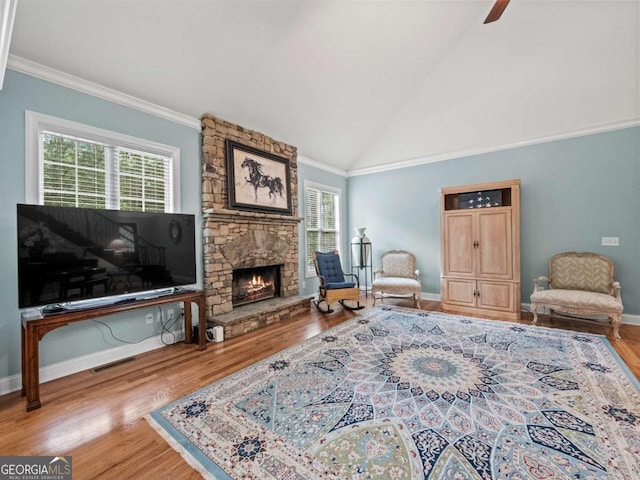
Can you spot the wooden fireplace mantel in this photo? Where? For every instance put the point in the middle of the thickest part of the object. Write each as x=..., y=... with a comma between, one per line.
x=34, y=329
x=225, y=215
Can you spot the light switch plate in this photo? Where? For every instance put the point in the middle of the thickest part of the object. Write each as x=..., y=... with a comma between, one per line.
x=610, y=241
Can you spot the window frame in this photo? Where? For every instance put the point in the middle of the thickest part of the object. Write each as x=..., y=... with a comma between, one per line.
x=310, y=271
x=36, y=122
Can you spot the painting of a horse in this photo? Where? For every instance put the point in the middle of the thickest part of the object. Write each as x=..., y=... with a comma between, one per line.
x=258, y=179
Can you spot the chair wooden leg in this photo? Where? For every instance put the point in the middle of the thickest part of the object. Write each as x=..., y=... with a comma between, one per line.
x=534, y=308
x=417, y=298
x=616, y=320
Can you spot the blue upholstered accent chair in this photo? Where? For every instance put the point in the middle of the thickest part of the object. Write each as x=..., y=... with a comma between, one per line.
x=333, y=285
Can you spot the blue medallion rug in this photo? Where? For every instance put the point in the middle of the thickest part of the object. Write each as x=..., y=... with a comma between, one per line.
x=402, y=394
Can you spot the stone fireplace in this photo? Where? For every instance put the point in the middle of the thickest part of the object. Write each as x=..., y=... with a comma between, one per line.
x=237, y=240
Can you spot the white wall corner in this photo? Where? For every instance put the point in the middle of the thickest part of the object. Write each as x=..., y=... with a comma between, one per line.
x=7, y=17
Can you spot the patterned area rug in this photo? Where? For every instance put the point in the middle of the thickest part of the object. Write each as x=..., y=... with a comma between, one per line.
x=402, y=394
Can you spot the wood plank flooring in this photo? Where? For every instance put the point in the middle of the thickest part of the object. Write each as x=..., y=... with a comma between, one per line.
x=98, y=418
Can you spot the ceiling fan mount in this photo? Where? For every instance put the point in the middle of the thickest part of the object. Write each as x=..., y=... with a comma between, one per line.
x=496, y=10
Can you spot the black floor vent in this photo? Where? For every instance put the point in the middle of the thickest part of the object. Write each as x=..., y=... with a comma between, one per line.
x=112, y=364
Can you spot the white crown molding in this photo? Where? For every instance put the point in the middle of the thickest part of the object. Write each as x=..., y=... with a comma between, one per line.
x=7, y=17
x=634, y=122
x=321, y=166
x=34, y=69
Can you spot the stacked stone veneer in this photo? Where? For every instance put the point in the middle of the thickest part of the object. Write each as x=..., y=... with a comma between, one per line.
x=240, y=239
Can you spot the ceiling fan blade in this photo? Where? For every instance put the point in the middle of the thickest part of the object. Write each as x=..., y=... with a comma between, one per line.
x=496, y=11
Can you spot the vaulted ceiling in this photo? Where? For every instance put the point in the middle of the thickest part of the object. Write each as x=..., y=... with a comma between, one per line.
x=357, y=85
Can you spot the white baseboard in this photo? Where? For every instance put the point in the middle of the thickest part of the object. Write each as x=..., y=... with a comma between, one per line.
x=67, y=367
x=434, y=297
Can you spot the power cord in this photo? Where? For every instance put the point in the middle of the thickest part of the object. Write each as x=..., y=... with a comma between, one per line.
x=164, y=329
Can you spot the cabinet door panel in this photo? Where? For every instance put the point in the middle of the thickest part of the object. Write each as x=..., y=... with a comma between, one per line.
x=459, y=291
x=494, y=253
x=496, y=296
x=458, y=238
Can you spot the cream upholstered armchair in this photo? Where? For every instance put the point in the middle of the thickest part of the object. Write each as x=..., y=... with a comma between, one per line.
x=582, y=284
x=397, y=276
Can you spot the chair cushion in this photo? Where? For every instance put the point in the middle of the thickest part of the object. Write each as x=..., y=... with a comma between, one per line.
x=396, y=285
x=338, y=285
x=330, y=268
x=577, y=299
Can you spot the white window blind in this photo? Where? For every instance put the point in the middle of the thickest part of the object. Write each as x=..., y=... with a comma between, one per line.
x=322, y=222
x=81, y=166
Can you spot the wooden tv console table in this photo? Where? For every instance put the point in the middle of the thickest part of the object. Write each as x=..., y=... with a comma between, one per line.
x=34, y=329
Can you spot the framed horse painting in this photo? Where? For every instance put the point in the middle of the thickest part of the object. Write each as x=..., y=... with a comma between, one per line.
x=258, y=181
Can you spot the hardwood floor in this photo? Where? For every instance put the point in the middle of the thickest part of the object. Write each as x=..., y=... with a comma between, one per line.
x=98, y=417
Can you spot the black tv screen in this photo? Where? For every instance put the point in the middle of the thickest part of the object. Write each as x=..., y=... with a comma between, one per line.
x=70, y=254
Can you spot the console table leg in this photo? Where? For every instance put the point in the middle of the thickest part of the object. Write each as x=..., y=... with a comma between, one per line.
x=202, y=325
x=32, y=381
x=23, y=341
x=188, y=325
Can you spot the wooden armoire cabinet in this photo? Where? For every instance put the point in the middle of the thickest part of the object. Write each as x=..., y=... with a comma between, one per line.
x=480, y=237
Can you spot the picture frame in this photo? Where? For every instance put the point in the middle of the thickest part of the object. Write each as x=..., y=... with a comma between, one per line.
x=257, y=181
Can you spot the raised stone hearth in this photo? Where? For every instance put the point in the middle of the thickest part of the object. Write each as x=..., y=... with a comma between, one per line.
x=260, y=314
x=236, y=239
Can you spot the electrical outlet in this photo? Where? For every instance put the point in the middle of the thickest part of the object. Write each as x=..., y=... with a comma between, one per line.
x=170, y=314
x=610, y=241
x=149, y=318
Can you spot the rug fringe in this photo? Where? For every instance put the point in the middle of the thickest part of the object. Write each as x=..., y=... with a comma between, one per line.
x=173, y=443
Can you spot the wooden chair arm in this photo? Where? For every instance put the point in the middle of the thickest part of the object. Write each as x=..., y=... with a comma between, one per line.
x=537, y=283
x=616, y=291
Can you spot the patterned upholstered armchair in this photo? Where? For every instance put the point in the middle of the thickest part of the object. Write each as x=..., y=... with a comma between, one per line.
x=397, y=276
x=582, y=284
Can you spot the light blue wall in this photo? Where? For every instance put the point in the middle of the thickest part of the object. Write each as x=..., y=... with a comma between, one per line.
x=22, y=92
x=573, y=193
x=309, y=285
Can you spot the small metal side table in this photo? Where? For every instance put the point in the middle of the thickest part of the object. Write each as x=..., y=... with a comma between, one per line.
x=361, y=262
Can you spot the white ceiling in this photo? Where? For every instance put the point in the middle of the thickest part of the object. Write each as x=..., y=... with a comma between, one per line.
x=357, y=85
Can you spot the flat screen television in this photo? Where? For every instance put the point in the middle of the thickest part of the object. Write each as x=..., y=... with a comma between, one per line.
x=72, y=256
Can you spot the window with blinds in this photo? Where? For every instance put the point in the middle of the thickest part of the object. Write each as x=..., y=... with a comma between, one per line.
x=81, y=166
x=322, y=221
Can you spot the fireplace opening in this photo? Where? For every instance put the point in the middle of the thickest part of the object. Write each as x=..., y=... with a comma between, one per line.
x=254, y=284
